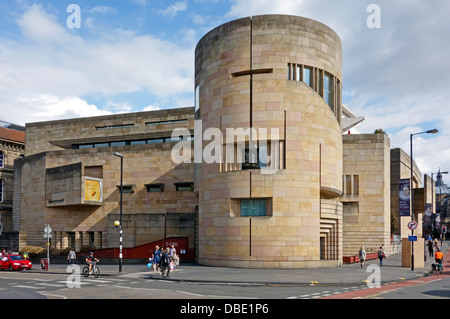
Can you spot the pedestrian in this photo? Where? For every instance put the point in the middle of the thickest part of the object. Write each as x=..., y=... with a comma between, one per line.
x=71, y=257
x=156, y=257
x=362, y=256
x=176, y=260
x=173, y=251
x=165, y=262
x=381, y=255
x=430, y=248
x=161, y=253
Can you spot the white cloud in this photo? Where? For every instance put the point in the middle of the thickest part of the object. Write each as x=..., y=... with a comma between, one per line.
x=55, y=62
x=173, y=9
x=103, y=10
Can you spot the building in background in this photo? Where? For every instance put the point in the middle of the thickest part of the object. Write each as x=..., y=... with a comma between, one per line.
x=12, y=146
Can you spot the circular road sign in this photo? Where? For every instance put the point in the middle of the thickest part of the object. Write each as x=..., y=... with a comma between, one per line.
x=47, y=230
x=412, y=225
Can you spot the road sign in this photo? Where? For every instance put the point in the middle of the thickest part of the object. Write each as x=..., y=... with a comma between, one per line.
x=412, y=238
x=47, y=230
x=412, y=225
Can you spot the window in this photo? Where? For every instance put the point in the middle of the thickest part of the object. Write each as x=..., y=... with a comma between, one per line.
x=307, y=75
x=166, y=122
x=188, y=186
x=197, y=98
x=155, y=187
x=2, y=159
x=1, y=191
x=350, y=184
x=113, y=126
x=251, y=157
x=155, y=141
x=253, y=207
x=327, y=89
x=126, y=189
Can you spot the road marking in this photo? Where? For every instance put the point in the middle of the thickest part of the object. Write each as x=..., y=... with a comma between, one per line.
x=23, y=286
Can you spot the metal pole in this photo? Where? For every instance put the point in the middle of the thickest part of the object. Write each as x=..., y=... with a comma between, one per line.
x=121, y=202
x=412, y=200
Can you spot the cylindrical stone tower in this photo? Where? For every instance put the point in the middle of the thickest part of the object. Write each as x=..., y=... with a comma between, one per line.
x=268, y=192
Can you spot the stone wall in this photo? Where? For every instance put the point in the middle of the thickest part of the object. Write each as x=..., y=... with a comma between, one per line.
x=366, y=194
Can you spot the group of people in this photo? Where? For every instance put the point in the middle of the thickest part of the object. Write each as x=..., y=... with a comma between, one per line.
x=433, y=247
x=164, y=261
x=381, y=254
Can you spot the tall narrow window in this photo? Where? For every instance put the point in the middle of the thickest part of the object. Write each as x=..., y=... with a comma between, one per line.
x=327, y=89
x=2, y=159
x=307, y=75
x=1, y=191
x=197, y=97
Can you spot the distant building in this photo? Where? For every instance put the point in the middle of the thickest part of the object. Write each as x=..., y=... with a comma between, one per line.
x=12, y=146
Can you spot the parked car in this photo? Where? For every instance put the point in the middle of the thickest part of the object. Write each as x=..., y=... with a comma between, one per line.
x=14, y=262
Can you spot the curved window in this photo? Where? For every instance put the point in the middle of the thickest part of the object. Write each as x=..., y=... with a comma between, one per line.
x=327, y=89
x=2, y=159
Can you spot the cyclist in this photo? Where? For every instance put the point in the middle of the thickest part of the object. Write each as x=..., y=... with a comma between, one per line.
x=439, y=256
x=89, y=259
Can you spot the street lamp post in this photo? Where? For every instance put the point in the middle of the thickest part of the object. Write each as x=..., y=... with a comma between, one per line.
x=121, y=204
x=433, y=131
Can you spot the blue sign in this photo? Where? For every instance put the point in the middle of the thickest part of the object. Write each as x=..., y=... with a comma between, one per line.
x=412, y=238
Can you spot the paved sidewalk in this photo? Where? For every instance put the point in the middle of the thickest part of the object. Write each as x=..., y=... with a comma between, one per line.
x=391, y=271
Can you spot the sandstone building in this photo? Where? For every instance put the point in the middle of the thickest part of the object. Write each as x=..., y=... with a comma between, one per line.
x=284, y=187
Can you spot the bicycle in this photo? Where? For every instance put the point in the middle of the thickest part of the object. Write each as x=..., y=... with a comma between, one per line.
x=95, y=270
x=438, y=268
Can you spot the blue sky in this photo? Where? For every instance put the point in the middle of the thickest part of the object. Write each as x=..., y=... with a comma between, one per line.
x=134, y=55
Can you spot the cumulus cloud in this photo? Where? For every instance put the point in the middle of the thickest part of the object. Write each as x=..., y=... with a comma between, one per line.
x=52, y=61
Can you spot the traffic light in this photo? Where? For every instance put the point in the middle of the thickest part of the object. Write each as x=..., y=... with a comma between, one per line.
x=444, y=229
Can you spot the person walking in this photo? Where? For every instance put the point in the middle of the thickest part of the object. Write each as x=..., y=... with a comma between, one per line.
x=430, y=248
x=381, y=255
x=165, y=262
x=71, y=257
x=362, y=256
x=156, y=257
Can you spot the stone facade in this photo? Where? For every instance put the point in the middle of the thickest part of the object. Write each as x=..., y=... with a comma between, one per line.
x=250, y=74
x=366, y=193
x=12, y=146
x=70, y=180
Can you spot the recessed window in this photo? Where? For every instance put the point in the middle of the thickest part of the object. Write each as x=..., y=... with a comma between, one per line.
x=1, y=191
x=126, y=189
x=155, y=187
x=254, y=207
x=155, y=141
x=2, y=159
x=350, y=184
x=113, y=126
x=307, y=75
x=180, y=187
x=166, y=122
x=327, y=89
x=197, y=98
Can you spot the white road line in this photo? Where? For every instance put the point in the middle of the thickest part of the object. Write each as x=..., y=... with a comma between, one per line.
x=27, y=287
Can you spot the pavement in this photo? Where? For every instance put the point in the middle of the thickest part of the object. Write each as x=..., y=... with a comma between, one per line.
x=390, y=272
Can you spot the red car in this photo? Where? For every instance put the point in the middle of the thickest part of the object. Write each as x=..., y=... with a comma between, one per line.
x=14, y=262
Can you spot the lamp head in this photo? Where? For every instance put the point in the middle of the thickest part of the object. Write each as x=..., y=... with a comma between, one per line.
x=118, y=154
x=117, y=223
x=433, y=131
